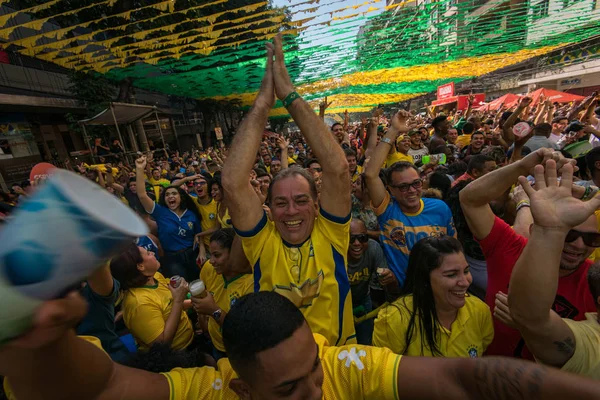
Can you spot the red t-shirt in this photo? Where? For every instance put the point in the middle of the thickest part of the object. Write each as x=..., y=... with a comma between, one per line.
x=502, y=247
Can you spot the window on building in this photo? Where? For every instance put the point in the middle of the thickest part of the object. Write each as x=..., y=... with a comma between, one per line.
x=540, y=10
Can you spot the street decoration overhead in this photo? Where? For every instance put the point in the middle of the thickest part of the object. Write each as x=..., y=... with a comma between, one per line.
x=359, y=54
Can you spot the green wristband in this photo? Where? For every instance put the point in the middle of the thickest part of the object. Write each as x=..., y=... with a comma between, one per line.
x=289, y=99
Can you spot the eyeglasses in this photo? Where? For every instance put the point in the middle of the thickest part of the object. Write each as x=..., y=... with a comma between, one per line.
x=201, y=183
x=404, y=187
x=317, y=169
x=363, y=238
x=591, y=239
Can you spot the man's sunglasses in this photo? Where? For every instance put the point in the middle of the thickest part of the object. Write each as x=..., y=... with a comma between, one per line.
x=404, y=187
x=591, y=239
x=363, y=238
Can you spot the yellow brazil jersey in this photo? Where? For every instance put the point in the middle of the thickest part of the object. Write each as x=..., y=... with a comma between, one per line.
x=92, y=339
x=471, y=333
x=209, y=217
x=225, y=294
x=313, y=275
x=463, y=140
x=157, y=184
x=396, y=157
x=586, y=358
x=145, y=312
x=359, y=170
x=349, y=372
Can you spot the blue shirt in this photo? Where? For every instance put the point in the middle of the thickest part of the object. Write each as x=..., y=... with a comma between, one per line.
x=100, y=321
x=174, y=232
x=147, y=244
x=400, y=231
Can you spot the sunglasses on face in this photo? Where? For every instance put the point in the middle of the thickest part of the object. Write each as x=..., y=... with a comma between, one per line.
x=590, y=239
x=201, y=183
x=404, y=187
x=363, y=238
x=317, y=169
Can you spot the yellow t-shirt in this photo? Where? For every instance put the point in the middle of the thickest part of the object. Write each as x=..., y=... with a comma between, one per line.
x=312, y=276
x=145, y=312
x=396, y=157
x=463, y=140
x=157, y=184
x=225, y=294
x=586, y=358
x=359, y=170
x=92, y=339
x=350, y=372
x=209, y=217
x=471, y=333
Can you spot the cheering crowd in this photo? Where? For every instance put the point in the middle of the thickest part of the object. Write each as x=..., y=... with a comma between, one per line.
x=387, y=259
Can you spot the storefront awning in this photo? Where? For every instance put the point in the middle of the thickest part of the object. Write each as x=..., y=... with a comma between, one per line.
x=123, y=114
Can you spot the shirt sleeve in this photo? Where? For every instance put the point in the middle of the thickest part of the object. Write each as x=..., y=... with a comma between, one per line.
x=390, y=329
x=158, y=211
x=501, y=238
x=450, y=222
x=204, y=383
x=586, y=358
x=336, y=230
x=361, y=372
x=378, y=256
x=383, y=206
x=253, y=241
x=487, y=326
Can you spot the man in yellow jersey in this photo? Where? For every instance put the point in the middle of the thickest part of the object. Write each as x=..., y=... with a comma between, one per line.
x=273, y=355
x=300, y=253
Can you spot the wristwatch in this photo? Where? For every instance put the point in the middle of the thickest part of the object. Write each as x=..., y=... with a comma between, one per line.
x=387, y=140
x=217, y=314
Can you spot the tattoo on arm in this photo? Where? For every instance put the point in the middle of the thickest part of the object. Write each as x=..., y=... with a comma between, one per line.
x=566, y=346
x=503, y=379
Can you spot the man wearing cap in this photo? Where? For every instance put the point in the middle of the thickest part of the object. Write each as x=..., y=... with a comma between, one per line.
x=417, y=150
x=440, y=130
x=574, y=132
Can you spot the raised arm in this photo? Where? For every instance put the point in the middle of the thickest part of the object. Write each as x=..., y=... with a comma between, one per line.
x=371, y=133
x=476, y=196
x=147, y=202
x=335, y=190
x=488, y=378
x=375, y=185
x=507, y=131
x=589, y=117
x=283, y=145
x=244, y=206
x=101, y=281
x=534, y=280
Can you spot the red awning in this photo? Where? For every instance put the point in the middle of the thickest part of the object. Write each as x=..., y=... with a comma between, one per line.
x=448, y=100
x=555, y=96
x=508, y=100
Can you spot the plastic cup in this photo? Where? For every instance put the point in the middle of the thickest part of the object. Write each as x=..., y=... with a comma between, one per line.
x=521, y=129
x=198, y=289
x=69, y=227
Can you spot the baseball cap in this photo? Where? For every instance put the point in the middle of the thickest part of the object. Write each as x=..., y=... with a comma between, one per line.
x=574, y=126
x=413, y=132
